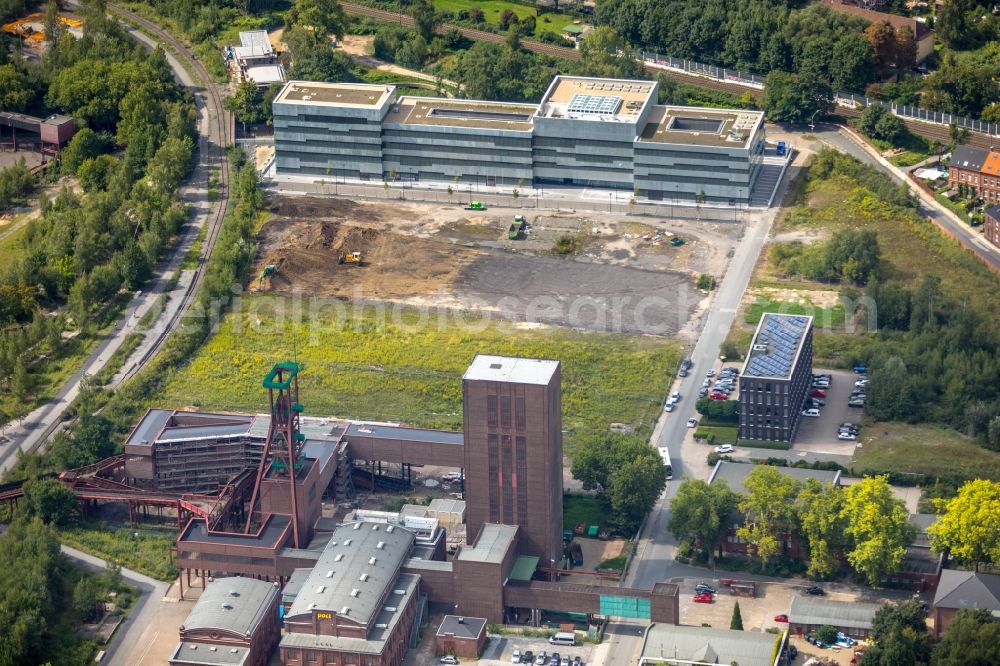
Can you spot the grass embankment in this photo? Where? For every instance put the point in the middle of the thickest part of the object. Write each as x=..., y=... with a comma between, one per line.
x=547, y=21
x=404, y=366
x=141, y=549
x=924, y=449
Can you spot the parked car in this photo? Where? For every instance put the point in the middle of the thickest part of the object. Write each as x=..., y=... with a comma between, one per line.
x=541, y=659
x=703, y=598
x=554, y=659
x=675, y=396
x=565, y=661
x=848, y=424
x=810, y=412
x=860, y=369
x=815, y=402
x=861, y=383
x=528, y=657
x=781, y=618
x=724, y=448
x=577, y=661
x=669, y=406
x=817, y=393
x=707, y=383
x=717, y=395
x=682, y=373
x=686, y=364
x=704, y=588
x=856, y=403
x=816, y=591
x=448, y=659
x=710, y=372
x=847, y=436
x=702, y=392
x=692, y=422
x=515, y=656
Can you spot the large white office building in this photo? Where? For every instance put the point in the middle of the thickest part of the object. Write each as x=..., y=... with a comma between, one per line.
x=586, y=132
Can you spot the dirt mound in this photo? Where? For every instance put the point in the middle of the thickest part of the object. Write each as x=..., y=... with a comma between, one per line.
x=306, y=254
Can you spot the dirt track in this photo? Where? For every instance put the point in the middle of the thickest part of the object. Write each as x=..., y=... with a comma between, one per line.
x=624, y=277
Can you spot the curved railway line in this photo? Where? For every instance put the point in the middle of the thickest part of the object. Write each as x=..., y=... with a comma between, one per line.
x=219, y=134
x=929, y=130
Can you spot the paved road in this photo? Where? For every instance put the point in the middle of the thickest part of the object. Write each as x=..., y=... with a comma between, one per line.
x=152, y=591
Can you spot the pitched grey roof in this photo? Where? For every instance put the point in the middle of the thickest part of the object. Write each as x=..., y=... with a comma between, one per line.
x=198, y=654
x=359, y=563
x=722, y=646
x=232, y=604
x=404, y=588
x=735, y=474
x=994, y=212
x=819, y=611
x=967, y=589
x=967, y=157
x=776, y=345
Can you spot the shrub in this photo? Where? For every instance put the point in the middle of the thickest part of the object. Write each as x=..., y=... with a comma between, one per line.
x=827, y=634
x=706, y=282
x=566, y=245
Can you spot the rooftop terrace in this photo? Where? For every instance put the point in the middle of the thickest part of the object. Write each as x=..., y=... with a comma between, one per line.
x=700, y=126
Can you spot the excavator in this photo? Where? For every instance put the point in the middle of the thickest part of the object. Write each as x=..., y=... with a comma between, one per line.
x=270, y=269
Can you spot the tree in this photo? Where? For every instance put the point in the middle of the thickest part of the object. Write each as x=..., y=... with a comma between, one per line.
x=819, y=509
x=323, y=17
x=49, y=500
x=15, y=90
x=699, y=513
x=736, y=623
x=321, y=63
x=889, y=397
x=906, y=49
x=851, y=65
x=20, y=383
x=969, y=525
x=900, y=634
x=880, y=123
x=957, y=136
x=605, y=53
x=425, y=18
x=883, y=40
x=624, y=470
x=909, y=614
x=85, y=144
x=768, y=509
x=635, y=486
x=246, y=104
x=972, y=638
x=795, y=97
x=878, y=526
x=86, y=594
x=827, y=634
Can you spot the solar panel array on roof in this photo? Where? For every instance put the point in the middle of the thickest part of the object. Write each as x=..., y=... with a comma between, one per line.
x=597, y=104
x=776, y=345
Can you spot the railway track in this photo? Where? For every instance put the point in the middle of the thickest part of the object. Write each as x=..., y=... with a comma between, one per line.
x=930, y=130
x=219, y=134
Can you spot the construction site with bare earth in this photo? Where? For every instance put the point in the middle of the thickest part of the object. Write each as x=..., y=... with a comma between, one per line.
x=562, y=269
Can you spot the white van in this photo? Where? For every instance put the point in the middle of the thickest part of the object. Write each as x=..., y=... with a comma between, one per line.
x=563, y=638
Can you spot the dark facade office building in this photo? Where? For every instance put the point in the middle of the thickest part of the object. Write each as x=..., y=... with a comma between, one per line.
x=776, y=376
x=513, y=450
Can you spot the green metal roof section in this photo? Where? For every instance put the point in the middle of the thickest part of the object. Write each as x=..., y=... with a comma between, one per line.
x=625, y=607
x=524, y=567
x=270, y=380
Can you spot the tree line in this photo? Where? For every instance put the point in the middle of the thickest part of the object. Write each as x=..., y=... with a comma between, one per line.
x=134, y=146
x=862, y=524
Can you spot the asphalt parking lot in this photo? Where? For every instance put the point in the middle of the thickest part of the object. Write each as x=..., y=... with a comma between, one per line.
x=757, y=612
x=504, y=646
x=819, y=434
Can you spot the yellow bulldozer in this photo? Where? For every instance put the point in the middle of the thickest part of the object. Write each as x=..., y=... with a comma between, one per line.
x=351, y=258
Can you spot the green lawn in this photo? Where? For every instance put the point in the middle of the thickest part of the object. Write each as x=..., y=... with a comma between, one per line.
x=147, y=553
x=550, y=21
x=584, y=509
x=723, y=434
x=923, y=449
x=827, y=317
x=12, y=246
x=401, y=368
